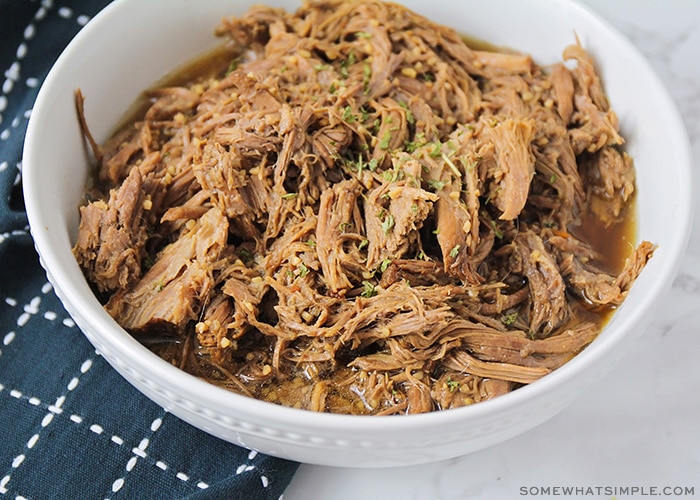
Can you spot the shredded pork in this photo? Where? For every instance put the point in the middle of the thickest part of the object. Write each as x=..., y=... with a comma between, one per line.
x=362, y=214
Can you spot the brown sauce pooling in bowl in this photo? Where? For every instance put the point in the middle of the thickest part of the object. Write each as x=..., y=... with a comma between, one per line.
x=363, y=214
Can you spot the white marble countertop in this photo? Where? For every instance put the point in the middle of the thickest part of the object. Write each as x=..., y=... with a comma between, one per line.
x=639, y=427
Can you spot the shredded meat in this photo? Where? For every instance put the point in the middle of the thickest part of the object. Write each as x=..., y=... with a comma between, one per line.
x=359, y=213
x=173, y=290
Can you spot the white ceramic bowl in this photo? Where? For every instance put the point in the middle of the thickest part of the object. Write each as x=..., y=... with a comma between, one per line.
x=133, y=43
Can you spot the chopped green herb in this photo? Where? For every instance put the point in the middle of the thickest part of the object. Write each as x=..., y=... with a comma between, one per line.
x=366, y=76
x=368, y=289
x=436, y=185
x=384, y=265
x=418, y=141
x=452, y=166
x=468, y=166
x=455, y=251
x=363, y=34
x=394, y=174
x=348, y=62
x=158, y=286
x=364, y=114
x=436, y=150
x=303, y=270
x=509, y=319
x=410, y=146
x=355, y=166
x=363, y=244
x=233, y=65
x=288, y=196
x=388, y=223
x=245, y=254
x=409, y=114
x=386, y=139
x=348, y=116
x=497, y=232
x=452, y=385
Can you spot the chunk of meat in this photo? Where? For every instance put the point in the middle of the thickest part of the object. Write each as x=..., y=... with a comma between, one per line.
x=457, y=208
x=112, y=236
x=610, y=180
x=601, y=289
x=549, y=307
x=338, y=213
x=395, y=211
x=596, y=125
x=563, y=84
x=172, y=292
x=515, y=165
x=462, y=361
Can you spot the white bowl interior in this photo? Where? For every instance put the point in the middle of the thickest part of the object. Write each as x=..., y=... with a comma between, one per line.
x=111, y=69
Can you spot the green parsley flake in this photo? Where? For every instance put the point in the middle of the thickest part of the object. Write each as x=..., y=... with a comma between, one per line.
x=348, y=116
x=452, y=385
x=388, y=223
x=245, y=254
x=409, y=114
x=509, y=319
x=368, y=289
x=497, y=232
x=233, y=66
x=436, y=185
x=384, y=265
x=366, y=77
x=386, y=139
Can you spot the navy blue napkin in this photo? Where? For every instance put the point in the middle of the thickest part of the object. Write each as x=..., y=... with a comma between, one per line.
x=71, y=426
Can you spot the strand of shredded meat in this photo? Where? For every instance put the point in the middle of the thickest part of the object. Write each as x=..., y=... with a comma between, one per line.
x=362, y=214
